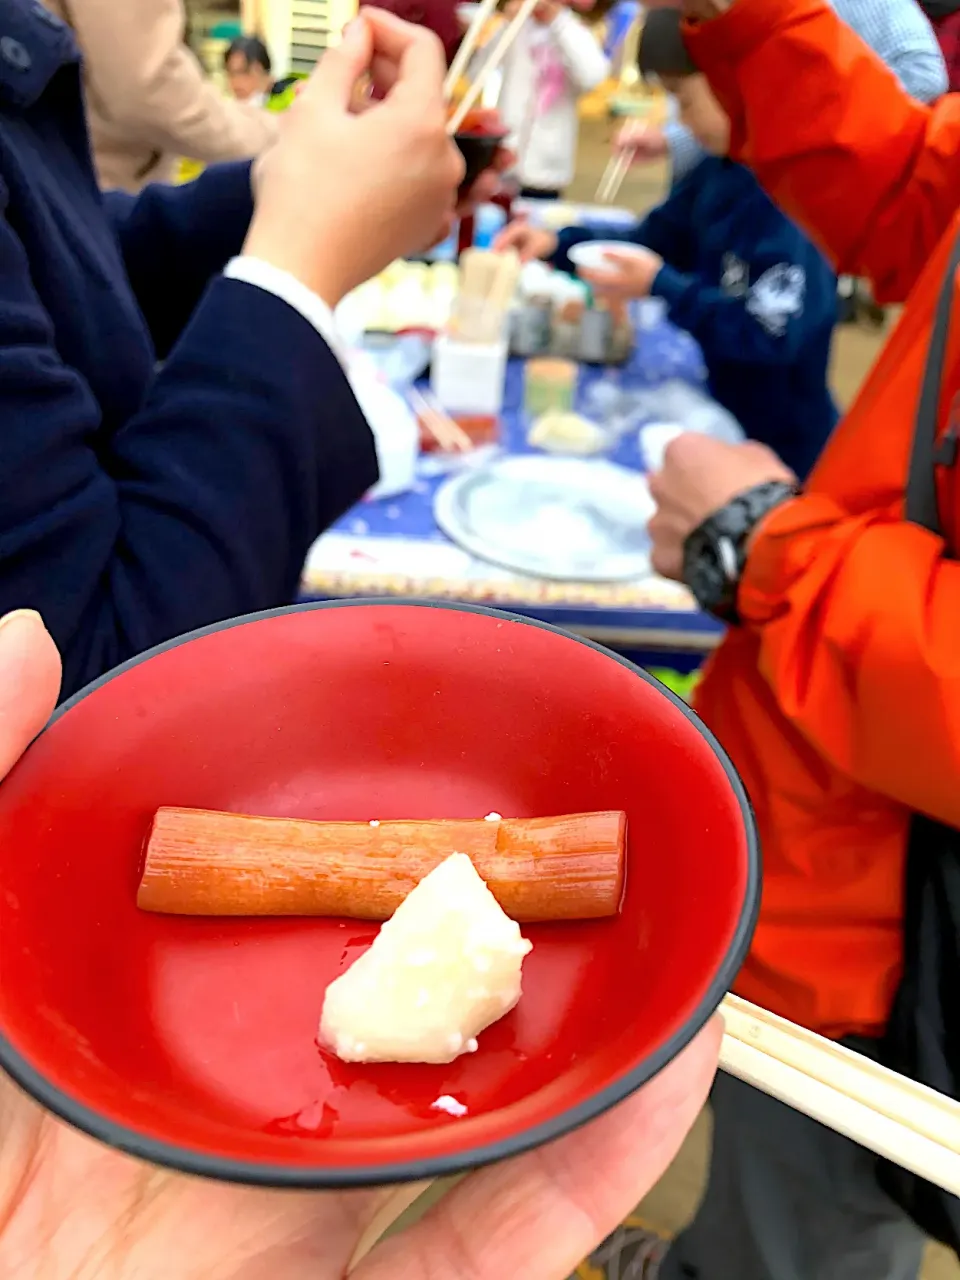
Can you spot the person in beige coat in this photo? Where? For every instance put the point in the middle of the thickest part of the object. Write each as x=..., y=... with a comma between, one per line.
x=148, y=102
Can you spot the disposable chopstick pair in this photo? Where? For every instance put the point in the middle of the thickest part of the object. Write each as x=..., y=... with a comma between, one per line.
x=613, y=175
x=449, y=435
x=490, y=65
x=906, y=1122
x=484, y=12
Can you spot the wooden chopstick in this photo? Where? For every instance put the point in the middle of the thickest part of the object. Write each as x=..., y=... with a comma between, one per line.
x=393, y=1207
x=906, y=1122
x=491, y=64
x=610, y=183
x=501, y=293
x=897, y=1118
x=458, y=66
x=449, y=435
x=455, y=433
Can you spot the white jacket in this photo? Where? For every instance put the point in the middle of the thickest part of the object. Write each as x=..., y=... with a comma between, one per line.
x=546, y=140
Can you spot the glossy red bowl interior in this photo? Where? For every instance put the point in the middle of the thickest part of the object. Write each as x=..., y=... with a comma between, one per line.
x=191, y=1042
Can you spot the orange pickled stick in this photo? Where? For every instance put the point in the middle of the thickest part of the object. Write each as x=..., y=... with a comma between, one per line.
x=203, y=863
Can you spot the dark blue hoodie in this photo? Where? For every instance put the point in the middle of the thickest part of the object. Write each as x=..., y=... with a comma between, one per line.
x=135, y=504
x=757, y=296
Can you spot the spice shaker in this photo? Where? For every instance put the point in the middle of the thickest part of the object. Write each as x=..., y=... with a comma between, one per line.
x=596, y=334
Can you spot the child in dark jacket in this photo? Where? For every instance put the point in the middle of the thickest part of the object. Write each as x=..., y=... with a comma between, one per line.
x=733, y=270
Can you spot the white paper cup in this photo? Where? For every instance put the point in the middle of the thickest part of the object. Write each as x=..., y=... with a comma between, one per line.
x=653, y=440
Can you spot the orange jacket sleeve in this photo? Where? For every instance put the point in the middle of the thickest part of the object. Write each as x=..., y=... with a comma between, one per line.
x=857, y=617
x=872, y=175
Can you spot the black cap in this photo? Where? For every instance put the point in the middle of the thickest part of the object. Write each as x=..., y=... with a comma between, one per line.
x=662, y=51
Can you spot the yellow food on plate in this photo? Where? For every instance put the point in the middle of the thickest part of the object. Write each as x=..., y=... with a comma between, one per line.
x=566, y=433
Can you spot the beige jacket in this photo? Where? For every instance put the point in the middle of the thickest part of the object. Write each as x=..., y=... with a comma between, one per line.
x=148, y=102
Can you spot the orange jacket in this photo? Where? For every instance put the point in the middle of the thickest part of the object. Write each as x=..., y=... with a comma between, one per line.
x=839, y=698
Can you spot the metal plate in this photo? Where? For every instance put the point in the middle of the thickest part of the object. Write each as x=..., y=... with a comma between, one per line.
x=560, y=518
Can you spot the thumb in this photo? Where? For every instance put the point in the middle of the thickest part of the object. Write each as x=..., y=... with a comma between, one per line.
x=620, y=259
x=29, y=682
x=341, y=67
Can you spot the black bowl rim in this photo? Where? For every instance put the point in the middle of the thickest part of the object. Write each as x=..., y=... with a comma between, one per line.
x=471, y=136
x=226, y=1169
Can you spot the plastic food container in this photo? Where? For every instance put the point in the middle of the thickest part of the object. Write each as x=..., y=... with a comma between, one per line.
x=549, y=384
x=468, y=377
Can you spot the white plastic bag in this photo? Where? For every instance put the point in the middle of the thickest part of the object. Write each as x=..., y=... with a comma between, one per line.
x=679, y=407
x=396, y=434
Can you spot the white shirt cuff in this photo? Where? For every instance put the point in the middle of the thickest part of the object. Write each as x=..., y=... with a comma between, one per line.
x=263, y=275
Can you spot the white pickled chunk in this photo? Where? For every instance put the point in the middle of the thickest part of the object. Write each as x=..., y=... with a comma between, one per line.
x=444, y=967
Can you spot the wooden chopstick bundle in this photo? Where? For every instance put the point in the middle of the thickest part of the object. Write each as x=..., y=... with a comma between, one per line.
x=488, y=282
x=906, y=1122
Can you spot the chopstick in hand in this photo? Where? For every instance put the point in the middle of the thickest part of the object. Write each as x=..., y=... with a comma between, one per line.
x=613, y=175
x=484, y=13
x=492, y=63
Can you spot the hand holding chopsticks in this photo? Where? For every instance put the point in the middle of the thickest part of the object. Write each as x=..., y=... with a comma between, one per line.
x=468, y=44
x=642, y=139
x=472, y=96
x=613, y=175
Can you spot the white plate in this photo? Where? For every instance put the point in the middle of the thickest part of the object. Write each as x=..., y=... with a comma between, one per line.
x=565, y=519
x=591, y=254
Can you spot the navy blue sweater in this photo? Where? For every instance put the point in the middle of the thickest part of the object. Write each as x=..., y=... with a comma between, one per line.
x=756, y=294
x=136, y=504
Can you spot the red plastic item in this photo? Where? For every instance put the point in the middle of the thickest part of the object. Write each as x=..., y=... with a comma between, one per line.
x=481, y=428
x=191, y=1041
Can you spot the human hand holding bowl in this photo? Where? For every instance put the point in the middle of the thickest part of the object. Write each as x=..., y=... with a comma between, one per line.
x=71, y=1209
x=630, y=275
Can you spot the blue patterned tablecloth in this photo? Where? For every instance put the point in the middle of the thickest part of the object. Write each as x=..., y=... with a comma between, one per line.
x=393, y=547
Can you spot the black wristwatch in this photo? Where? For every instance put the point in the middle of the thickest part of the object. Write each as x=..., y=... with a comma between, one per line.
x=715, y=553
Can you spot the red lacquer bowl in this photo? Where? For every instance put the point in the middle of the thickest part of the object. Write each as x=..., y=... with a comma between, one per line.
x=191, y=1042
x=479, y=151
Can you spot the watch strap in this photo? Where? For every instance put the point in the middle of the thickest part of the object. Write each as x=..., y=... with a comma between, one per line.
x=715, y=553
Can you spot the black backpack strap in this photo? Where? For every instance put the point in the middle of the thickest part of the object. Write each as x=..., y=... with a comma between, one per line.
x=921, y=497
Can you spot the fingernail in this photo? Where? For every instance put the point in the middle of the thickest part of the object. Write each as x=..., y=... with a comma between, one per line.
x=353, y=32
x=22, y=617
x=22, y=636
